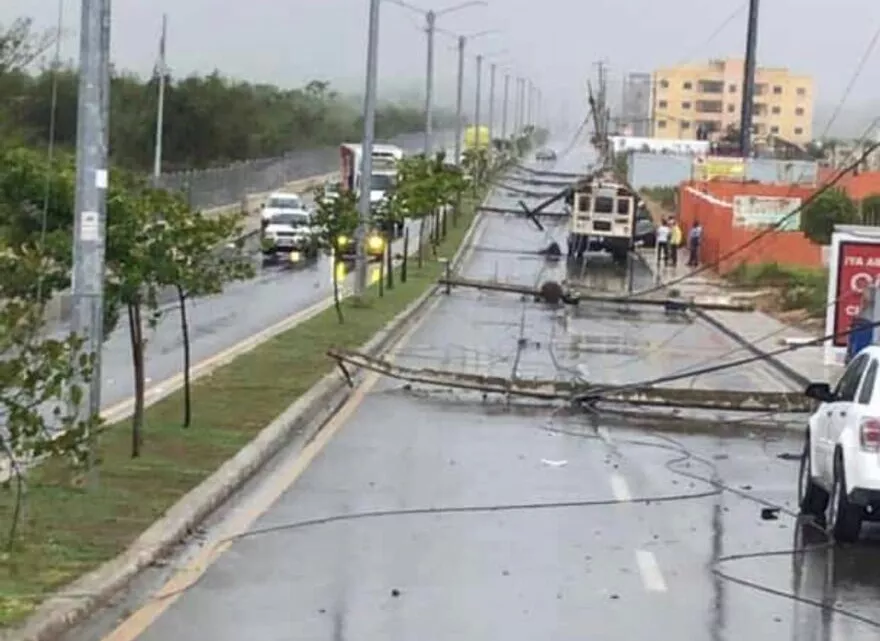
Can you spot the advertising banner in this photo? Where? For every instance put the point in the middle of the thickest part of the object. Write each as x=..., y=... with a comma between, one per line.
x=758, y=212
x=719, y=168
x=854, y=264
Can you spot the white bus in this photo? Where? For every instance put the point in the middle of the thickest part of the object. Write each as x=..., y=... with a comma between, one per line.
x=603, y=218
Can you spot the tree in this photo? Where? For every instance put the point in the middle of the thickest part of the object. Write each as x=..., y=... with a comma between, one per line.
x=40, y=377
x=832, y=207
x=204, y=256
x=417, y=193
x=870, y=210
x=335, y=218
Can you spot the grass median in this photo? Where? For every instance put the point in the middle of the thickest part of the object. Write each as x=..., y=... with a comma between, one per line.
x=68, y=531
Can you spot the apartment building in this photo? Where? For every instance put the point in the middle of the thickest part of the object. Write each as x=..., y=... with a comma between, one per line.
x=635, y=108
x=710, y=95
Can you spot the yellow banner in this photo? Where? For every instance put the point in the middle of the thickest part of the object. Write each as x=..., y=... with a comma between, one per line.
x=723, y=168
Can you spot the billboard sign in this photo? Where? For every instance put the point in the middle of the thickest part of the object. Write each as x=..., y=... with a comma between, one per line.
x=854, y=264
x=719, y=168
x=758, y=212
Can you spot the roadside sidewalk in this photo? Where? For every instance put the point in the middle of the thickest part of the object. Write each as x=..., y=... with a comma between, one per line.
x=761, y=330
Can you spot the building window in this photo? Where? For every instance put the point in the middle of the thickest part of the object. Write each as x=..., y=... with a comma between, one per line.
x=799, y=111
x=687, y=86
x=731, y=88
x=661, y=124
x=685, y=124
x=802, y=91
x=664, y=84
x=710, y=86
x=774, y=129
x=776, y=111
x=661, y=104
x=731, y=108
x=685, y=105
x=777, y=90
x=798, y=131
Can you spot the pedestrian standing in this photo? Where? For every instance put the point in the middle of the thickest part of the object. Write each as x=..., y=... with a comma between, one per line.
x=695, y=238
x=662, y=236
x=675, y=240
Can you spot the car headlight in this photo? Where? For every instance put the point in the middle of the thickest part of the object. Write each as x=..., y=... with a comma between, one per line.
x=294, y=257
x=342, y=241
x=375, y=243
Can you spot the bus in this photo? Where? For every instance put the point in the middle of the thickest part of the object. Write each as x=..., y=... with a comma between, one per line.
x=602, y=218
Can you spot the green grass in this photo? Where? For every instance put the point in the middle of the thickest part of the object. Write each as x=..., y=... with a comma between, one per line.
x=68, y=531
x=799, y=287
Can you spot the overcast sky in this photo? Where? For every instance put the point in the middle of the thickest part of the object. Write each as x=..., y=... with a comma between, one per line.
x=555, y=42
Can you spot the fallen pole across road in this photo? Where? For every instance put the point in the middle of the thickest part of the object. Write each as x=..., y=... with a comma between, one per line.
x=558, y=390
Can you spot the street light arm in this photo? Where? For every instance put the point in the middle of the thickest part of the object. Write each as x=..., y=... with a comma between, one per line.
x=406, y=5
x=462, y=5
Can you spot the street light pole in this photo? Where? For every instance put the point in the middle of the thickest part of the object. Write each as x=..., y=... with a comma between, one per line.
x=430, y=19
x=458, y=99
x=504, y=106
x=360, y=286
x=492, y=70
x=160, y=105
x=479, y=99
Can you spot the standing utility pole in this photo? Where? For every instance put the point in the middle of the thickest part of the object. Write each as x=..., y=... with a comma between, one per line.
x=504, y=107
x=160, y=105
x=492, y=69
x=91, y=185
x=430, y=20
x=458, y=99
x=479, y=99
x=522, y=104
x=745, y=129
x=360, y=286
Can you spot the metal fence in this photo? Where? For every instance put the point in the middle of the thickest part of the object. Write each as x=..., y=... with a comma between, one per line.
x=209, y=188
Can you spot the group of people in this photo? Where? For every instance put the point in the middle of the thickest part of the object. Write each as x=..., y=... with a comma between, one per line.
x=670, y=238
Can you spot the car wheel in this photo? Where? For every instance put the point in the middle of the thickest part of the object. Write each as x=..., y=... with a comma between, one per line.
x=812, y=499
x=844, y=518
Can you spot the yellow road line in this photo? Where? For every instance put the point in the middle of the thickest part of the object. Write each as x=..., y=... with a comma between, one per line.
x=243, y=517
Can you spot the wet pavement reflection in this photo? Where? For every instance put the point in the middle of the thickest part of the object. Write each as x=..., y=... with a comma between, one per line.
x=439, y=515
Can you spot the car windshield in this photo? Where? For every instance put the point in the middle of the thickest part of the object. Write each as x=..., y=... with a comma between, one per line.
x=383, y=182
x=292, y=220
x=284, y=202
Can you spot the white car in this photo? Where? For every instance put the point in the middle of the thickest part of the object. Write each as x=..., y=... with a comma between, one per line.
x=288, y=231
x=280, y=202
x=839, y=478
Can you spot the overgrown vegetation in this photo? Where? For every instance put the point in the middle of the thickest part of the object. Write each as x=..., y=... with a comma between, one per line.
x=666, y=197
x=209, y=120
x=794, y=287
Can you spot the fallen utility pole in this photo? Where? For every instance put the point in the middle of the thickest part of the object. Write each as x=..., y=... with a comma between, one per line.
x=519, y=212
x=556, y=390
x=576, y=296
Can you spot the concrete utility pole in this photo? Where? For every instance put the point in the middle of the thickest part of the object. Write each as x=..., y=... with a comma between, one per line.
x=430, y=28
x=458, y=99
x=91, y=184
x=360, y=277
x=522, y=104
x=479, y=99
x=504, y=106
x=160, y=104
x=493, y=68
x=748, y=94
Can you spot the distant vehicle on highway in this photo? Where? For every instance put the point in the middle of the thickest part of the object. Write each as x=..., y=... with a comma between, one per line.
x=332, y=190
x=280, y=202
x=839, y=479
x=545, y=155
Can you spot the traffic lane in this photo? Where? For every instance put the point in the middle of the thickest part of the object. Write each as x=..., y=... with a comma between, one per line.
x=602, y=343
x=786, y=564
x=496, y=564
x=217, y=323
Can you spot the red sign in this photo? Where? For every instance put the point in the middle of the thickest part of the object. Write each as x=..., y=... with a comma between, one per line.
x=858, y=266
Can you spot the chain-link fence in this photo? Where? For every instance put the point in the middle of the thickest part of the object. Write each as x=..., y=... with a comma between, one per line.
x=227, y=185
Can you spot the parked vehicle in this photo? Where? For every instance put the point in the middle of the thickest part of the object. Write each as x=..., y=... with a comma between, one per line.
x=839, y=479
x=602, y=218
x=545, y=155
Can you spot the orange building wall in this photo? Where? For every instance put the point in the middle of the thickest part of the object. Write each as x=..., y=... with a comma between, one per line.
x=721, y=238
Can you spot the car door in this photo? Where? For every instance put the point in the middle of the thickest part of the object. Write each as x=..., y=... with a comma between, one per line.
x=834, y=415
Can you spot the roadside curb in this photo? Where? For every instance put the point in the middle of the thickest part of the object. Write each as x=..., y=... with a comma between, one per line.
x=298, y=424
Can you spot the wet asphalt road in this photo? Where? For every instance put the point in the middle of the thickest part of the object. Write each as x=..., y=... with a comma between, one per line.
x=452, y=518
